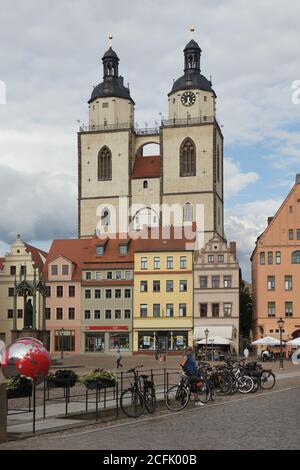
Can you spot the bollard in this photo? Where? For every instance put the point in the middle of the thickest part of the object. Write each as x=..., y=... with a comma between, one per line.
x=3, y=413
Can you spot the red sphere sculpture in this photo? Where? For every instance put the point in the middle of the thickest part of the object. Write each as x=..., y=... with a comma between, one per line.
x=27, y=357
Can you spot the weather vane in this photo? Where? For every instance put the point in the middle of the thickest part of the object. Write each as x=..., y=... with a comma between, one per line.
x=110, y=37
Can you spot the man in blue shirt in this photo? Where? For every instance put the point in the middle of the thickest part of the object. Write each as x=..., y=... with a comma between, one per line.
x=190, y=367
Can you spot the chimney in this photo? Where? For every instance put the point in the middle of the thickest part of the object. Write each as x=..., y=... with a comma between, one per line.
x=232, y=248
x=271, y=218
x=297, y=178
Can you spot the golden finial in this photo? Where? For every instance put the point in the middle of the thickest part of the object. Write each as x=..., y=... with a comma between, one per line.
x=110, y=37
x=192, y=30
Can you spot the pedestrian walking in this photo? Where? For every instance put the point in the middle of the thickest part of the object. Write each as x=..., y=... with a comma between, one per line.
x=119, y=359
x=246, y=352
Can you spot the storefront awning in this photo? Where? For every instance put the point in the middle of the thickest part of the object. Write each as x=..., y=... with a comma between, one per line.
x=224, y=331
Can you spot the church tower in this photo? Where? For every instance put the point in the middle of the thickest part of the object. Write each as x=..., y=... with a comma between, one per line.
x=192, y=147
x=188, y=171
x=104, y=149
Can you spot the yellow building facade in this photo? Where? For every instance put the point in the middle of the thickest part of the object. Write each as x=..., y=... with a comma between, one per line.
x=163, y=301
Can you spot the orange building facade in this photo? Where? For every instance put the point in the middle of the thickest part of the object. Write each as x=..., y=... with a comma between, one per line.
x=276, y=272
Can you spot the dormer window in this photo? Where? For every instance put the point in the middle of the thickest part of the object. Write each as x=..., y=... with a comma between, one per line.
x=65, y=269
x=99, y=250
x=54, y=270
x=123, y=250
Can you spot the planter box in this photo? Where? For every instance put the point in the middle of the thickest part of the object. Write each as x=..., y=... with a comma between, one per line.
x=103, y=384
x=19, y=393
x=60, y=383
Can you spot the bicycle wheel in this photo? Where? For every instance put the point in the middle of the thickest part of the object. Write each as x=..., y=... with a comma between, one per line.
x=177, y=398
x=255, y=384
x=226, y=385
x=245, y=384
x=132, y=403
x=213, y=393
x=267, y=380
x=204, y=392
x=150, y=399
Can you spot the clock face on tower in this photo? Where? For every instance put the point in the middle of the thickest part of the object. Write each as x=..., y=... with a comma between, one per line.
x=188, y=98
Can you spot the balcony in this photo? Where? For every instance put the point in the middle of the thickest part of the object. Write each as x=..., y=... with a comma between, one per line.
x=105, y=127
x=187, y=121
x=149, y=130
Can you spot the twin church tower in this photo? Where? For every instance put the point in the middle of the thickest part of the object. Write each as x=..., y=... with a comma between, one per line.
x=188, y=170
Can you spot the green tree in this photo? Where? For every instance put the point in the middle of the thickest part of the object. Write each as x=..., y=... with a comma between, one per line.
x=245, y=312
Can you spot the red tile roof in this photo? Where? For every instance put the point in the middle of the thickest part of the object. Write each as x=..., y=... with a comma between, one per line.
x=73, y=249
x=167, y=239
x=38, y=256
x=146, y=167
x=82, y=252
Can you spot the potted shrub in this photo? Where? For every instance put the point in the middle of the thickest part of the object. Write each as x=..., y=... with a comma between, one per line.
x=98, y=379
x=62, y=378
x=19, y=387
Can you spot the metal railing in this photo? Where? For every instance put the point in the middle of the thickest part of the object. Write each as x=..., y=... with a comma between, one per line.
x=187, y=121
x=149, y=130
x=93, y=401
x=106, y=127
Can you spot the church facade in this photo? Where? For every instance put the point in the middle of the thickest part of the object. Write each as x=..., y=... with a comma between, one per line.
x=188, y=172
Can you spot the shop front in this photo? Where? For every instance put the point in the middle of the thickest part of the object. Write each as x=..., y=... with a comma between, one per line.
x=165, y=341
x=107, y=339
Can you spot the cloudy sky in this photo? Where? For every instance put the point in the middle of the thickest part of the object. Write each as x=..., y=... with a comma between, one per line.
x=51, y=58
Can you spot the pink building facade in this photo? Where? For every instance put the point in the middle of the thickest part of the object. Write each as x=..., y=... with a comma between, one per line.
x=63, y=305
x=276, y=272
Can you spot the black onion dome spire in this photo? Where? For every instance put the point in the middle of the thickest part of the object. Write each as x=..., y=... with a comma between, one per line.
x=192, y=77
x=112, y=84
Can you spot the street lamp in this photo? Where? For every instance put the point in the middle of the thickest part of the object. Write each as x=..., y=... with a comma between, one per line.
x=206, y=335
x=62, y=331
x=280, y=324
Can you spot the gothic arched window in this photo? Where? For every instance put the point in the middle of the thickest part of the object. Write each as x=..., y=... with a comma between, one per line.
x=187, y=158
x=104, y=164
x=187, y=212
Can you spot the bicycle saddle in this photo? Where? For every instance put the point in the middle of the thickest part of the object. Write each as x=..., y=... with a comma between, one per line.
x=144, y=376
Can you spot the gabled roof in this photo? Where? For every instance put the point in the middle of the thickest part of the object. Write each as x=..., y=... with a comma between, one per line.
x=272, y=220
x=38, y=256
x=73, y=249
x=111, y=251
x=167, y=239
x=146, y=167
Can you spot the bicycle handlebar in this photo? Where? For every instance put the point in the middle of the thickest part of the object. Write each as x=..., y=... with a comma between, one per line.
x=135, y=368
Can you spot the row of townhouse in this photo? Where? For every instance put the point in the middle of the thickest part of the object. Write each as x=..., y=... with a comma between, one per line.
x=137, y=295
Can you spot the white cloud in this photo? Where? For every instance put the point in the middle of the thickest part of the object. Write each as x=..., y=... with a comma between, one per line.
x=52, y=59
x=234, y=179
x=39, y=206
x=244, y=223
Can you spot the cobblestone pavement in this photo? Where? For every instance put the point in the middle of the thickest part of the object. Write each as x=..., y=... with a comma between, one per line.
x=268, y=420
x=86, y=362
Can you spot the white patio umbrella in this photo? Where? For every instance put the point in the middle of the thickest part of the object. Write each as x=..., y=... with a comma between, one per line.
x=268, y=341
x=294, y=342
x=214, y=340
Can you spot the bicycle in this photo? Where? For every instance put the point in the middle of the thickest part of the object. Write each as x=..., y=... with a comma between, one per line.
x=139, y=396
x=178, y=396
x=263, y=378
